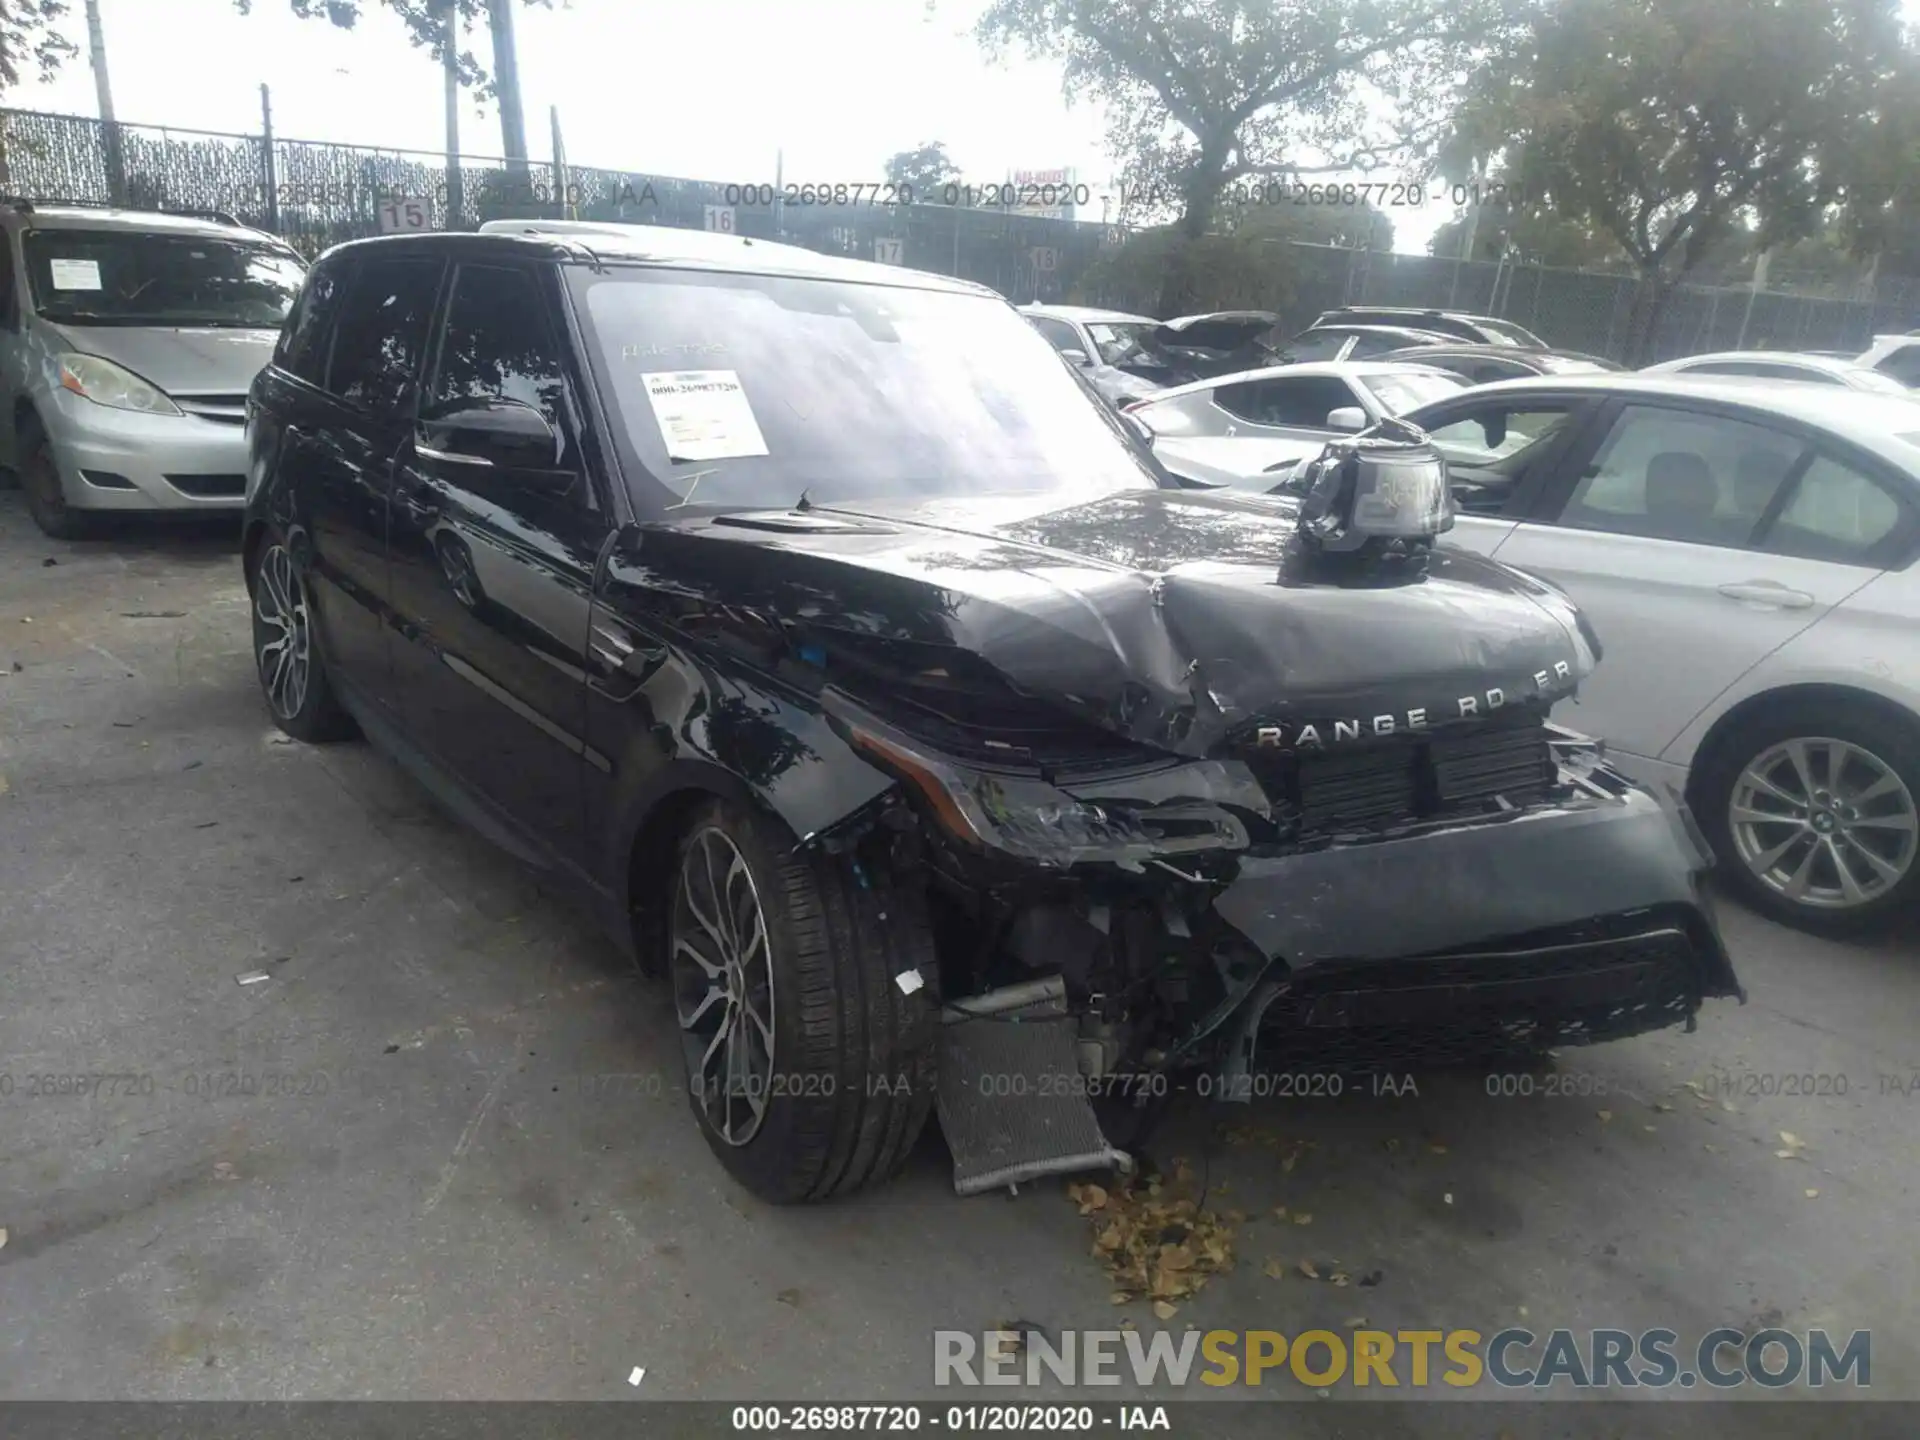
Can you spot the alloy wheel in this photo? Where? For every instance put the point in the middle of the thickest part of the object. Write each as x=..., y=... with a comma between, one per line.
x=722, y=972
x=284, y=646
x=1824, y=823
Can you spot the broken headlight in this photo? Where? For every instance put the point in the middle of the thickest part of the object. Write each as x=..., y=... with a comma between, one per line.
x=1126, y=819
x=1385, y=488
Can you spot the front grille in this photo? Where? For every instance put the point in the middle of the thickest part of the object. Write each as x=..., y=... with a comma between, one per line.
x=224, y=409
x=209, y=486
x=1410, y=778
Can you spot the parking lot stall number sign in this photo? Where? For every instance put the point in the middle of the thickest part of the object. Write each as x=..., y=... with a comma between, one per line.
x=704, y=414
x=404, y=213
x=720, y=218
x=887, y=250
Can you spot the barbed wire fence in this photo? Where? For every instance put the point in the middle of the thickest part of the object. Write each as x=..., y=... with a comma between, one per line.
x=317, y=194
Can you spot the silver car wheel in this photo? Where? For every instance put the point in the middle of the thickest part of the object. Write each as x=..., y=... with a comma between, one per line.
x=283, y=646
x=1824, y=822
x=722, y=973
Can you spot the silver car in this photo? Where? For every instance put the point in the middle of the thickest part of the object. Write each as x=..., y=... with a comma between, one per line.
x=128, y=340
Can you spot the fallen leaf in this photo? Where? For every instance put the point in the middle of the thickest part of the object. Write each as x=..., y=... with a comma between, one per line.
x=1604, y=1115
x=1340, y=1277
x=1448, y=1197
x=1091, y=1198
x=1120, y=1297
x=1128, y=1324
x=1647, y=1128
x=1661, y=1105
x=3, y=1237
x=1275, y=1270
x=1279, y=1212
x=1302, y=1218
x=1306, y=1269
x=1355, y=1322
x=1393, y=1146
x=1438, y=1149
x=1813, y=1194
x=1523, y=1312
x=1165, y=1311
x=1791, y=1140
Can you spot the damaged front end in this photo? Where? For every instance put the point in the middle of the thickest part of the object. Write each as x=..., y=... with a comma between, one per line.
x=1311, y=894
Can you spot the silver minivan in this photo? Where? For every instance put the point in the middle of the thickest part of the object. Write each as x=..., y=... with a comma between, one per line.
x=128, y=340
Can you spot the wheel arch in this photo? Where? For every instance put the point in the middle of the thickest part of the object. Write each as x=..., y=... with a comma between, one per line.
x=1711, y=750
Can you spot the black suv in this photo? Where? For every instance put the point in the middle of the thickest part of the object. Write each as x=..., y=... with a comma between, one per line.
x=875, y=685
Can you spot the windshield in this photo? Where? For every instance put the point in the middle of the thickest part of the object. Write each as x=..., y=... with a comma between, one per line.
x=124, y=277
x=1125, y=342
x=1398, y=394
x=1509, y=332
x=749, y=390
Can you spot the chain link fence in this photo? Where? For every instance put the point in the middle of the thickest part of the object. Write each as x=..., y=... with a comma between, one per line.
x=319, y=194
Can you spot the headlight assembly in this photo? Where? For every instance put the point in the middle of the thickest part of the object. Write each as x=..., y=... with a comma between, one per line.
x=114, y=386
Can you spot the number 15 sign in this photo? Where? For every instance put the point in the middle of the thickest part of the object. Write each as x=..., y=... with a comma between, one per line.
x=405, y=213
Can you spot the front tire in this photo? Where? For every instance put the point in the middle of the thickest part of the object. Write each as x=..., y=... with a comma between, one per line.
x=1814, y=815
x=292, y=675
x=810, y=1070
x=40, y=481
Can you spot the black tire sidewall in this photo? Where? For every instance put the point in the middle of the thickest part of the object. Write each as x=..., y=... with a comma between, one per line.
x=1894, y=741
x=802, y=1100
x=39, y=473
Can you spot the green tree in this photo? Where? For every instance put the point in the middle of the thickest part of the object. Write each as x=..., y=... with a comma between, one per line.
x=423, y=19
x=1664, y=124
x=30, y=35
x=1529, y=234
x=1203, y=93
x=923, y=172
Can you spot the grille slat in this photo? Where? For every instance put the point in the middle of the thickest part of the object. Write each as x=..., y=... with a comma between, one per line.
x=1412, y=778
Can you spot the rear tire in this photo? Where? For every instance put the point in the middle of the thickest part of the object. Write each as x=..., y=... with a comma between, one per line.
x=783, y=973
x=1843, y=779
x=293, y=677
x=40, y=480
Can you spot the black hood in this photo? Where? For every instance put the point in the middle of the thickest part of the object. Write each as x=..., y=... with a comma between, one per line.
x=1221, y=330
x=1181, y=620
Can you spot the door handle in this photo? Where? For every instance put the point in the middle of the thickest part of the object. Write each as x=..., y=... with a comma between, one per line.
x=1767, y=592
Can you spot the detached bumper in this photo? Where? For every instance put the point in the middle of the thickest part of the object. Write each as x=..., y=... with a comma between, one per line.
x=1573, y=924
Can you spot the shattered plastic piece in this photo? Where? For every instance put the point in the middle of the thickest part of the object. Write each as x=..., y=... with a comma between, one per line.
x=252, y=977
x=910, y=981
x=3, y=1237
x=1811, y=1195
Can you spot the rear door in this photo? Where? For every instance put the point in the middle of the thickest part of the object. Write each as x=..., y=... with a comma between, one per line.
x=1699, y=541
x=369, y=322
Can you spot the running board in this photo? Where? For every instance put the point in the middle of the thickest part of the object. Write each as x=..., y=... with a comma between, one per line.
x=1010, y=1097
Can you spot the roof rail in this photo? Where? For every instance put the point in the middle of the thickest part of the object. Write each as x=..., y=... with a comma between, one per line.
x=27, y=204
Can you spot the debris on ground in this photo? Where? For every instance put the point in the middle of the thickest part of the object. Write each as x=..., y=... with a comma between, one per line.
x=1155, y=1241
x=1794, y=1145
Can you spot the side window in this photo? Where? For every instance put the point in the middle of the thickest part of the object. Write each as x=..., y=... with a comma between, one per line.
x=1485, y=372
x=1059, y=334
x=1495, y=433
x=8, y=316
x=1835, y=513
x=302, y=349
x=499, y=345
x=1680, y=475
x=381, y=332
x=1304, y=401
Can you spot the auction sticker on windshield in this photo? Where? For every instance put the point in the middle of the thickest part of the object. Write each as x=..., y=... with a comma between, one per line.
x=76, y=274
x=704, y=414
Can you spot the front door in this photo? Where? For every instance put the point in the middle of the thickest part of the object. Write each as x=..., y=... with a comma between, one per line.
x=493, y=562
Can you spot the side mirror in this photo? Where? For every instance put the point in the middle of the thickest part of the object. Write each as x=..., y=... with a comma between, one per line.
x=1078, y=357
x=509, y=434
x=1347, y=417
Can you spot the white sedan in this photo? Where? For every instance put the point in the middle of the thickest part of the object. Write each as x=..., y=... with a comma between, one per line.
x=1247, y=430
x=1746, y=555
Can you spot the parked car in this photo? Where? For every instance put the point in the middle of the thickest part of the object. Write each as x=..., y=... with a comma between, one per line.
x=1221, y=342
x=1115, y=350
x=1246, y=430
x=1456, y=324
x=1355, y=342
x=1897, y=356
x=864, y=673
x=1781, y=365
x=1745, y=553
x=1486, y=364
x=127, y=342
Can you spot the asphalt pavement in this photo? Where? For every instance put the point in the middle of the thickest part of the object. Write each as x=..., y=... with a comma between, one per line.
x=439, y=1151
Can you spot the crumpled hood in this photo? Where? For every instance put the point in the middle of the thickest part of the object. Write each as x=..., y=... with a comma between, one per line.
x=1179, y=619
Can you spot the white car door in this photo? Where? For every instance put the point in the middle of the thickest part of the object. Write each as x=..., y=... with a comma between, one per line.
x=1655, y=539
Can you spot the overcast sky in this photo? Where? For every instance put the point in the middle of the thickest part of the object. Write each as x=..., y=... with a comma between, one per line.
x=705, y=89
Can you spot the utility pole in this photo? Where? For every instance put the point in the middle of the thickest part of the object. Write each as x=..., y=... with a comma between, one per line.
x=109, y=130
x=560, y=183
x=450, y=65
x=269, y=180
x=506, y=79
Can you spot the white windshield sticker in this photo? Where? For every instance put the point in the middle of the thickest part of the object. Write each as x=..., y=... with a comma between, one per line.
x=76, y=274
x=704, y=414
